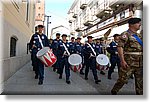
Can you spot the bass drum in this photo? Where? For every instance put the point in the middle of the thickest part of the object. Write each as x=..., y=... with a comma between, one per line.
x=102, y=59
x=75, y=59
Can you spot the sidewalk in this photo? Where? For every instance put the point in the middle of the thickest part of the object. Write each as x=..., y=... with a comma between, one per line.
x=23, y=82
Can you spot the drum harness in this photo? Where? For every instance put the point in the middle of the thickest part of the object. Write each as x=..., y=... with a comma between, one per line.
x=40, y=41
x=66, y=49
x=92, y=49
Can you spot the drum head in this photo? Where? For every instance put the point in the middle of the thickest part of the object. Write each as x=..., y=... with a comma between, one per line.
x=75, y=59
x=42, y=51
x=102, y=59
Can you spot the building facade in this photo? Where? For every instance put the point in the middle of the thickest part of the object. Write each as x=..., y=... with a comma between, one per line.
x=40, y=12
x=17, y=19
x=98, y=17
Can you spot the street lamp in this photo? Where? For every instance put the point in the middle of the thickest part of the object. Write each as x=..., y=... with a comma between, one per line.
x=47, y=23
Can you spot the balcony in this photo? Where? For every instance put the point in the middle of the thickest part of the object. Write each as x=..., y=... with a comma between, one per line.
x=88, y=23
x=75, y=16
x=72, y=33
x=83, y=6
x=78, y=29
x=70, y=21
x=104, y=13
x=115, y=3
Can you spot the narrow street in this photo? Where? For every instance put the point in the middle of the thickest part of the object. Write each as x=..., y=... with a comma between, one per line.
x=104, y=32
x=23, y=82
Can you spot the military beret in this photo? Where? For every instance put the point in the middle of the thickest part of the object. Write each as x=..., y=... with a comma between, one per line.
x=134, y=20
x=89, y=37
x=40, y=26
x=58, y=34
x=64, y=35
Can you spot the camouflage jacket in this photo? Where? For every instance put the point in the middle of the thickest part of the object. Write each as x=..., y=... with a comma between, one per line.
x=130, y=44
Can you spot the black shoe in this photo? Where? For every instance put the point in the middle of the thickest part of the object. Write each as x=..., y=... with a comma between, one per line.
x=36, y=76
x=86, y=78
x=60, y=76
x=40, y=82
x=109, y=77
x=33, y=69
x=68, y=82
x=57, y=72
x=131, y=77
x=81, y=72
x=113, y=92
x=102, y=73
x=97, y=81
x=54, y=69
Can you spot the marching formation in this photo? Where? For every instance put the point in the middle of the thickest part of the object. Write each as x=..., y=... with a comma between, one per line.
x=125, y=51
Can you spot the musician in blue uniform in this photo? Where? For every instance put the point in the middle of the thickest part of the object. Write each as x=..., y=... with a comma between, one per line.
x=79, y=50
x=35, y=46
x=72, y=45
x=50, y=42
x=114, y=58
x=64, y=54
x=103, y=47
x=56, y=52
x=90, y=58
x=98, y=48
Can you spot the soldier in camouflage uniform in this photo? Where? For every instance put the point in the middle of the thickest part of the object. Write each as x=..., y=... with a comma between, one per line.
x=130, y=53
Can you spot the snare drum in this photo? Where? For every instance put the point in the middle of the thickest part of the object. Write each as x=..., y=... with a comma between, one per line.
x=46, y=56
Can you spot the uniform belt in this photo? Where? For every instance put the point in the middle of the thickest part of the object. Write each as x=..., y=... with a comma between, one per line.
x=133, y=53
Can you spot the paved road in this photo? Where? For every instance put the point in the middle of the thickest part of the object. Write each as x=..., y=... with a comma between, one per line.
x=106, y=85
x=23, y=82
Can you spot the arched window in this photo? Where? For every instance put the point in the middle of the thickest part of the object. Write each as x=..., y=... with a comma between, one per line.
x=13, y=42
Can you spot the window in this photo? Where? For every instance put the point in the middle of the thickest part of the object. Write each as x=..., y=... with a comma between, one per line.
x=16, y=4
x=39, y=1
x=13, y=42
x=27, y=13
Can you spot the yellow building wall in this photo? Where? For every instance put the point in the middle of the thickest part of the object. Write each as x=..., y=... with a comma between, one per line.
x=13, y=23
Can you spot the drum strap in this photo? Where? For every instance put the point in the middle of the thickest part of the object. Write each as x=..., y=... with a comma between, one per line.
x=92, y=49
x=66, y=49
x=40, y=41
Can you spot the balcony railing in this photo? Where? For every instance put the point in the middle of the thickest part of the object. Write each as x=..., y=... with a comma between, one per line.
x=83, y=6
x=70, y=21
x=104, y=13
x=78, y=29
x=88, y=23
x=75, y=16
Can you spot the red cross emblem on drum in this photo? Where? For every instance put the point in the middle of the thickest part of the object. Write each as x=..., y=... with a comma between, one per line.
x=46, y=56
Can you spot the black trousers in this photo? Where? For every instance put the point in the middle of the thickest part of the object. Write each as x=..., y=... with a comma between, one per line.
x=91, y=64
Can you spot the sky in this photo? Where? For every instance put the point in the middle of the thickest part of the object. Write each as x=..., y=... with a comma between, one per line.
x=58, y=10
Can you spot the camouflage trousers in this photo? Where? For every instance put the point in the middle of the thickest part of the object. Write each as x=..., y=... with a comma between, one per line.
x=124, y=75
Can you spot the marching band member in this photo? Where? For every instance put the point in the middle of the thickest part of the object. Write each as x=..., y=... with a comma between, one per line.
x=64, y=49
x=114, y=58
x=35, y=46
x=56, y=52
x=90, y=59
x=103, y=46
x=98, y=50
x=79, y=50
x=72, y=45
